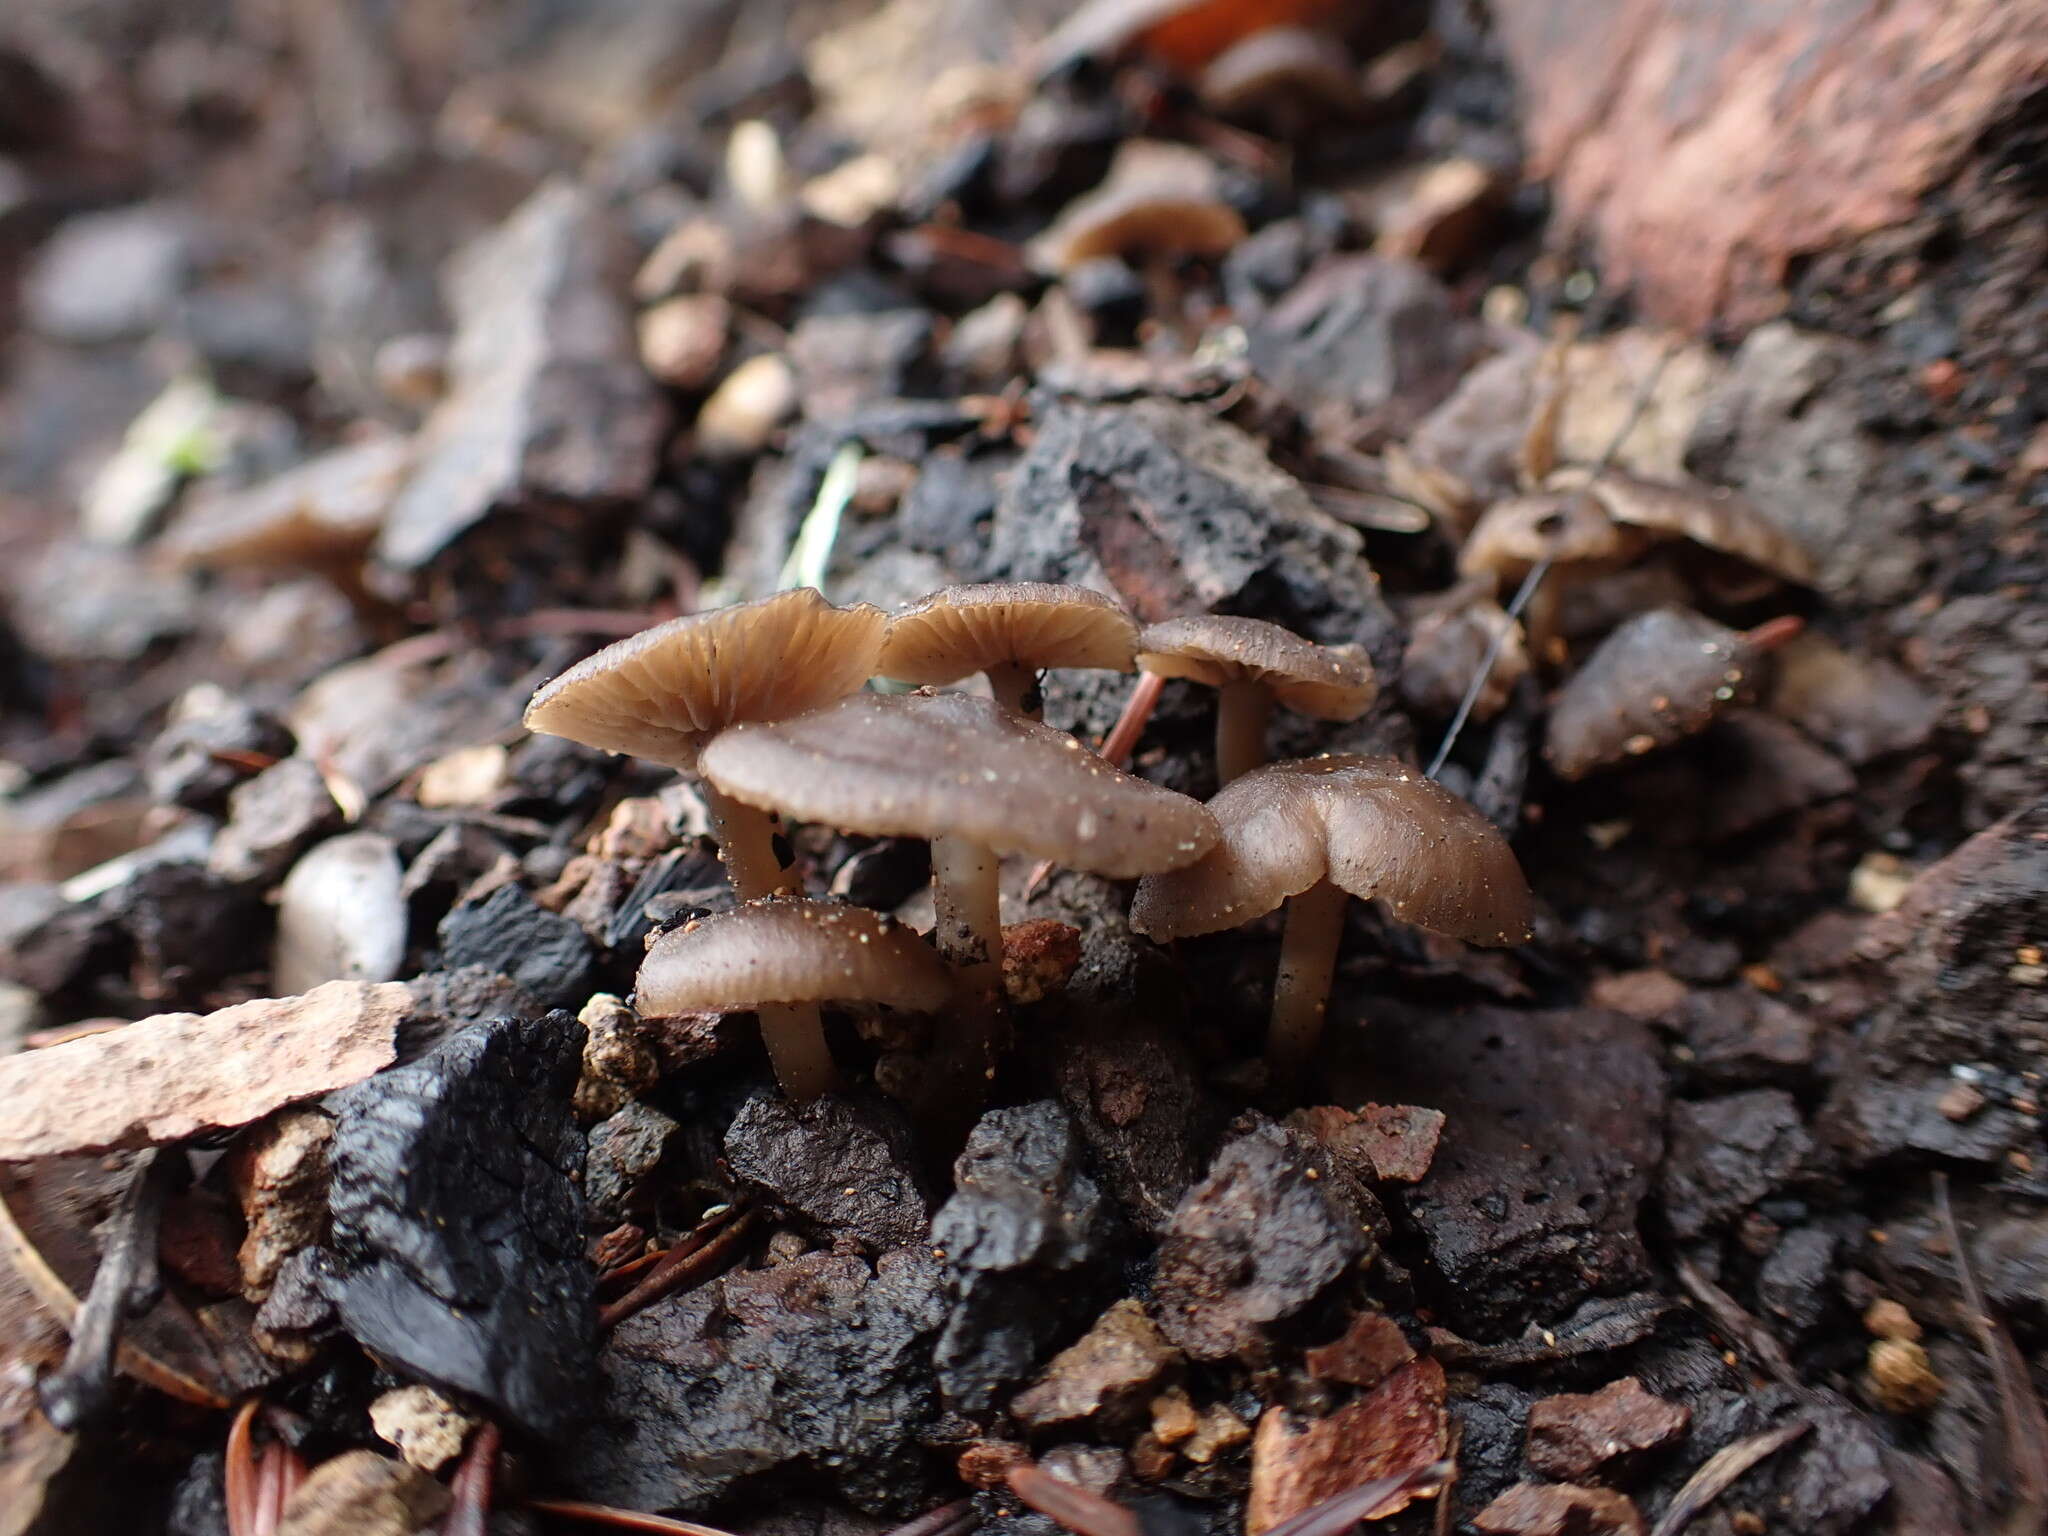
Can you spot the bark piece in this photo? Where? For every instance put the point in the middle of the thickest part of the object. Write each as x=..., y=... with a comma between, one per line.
x=1252, y=1244
x=1391, y=1142
x=1575, y=1434
x=1560, y=1509
x=1396, y=1429
x=279, y=1171
x=846, y=1164
x=1370, y=1351
x=819, y=1368
x=176, y=1075
x=547, y=398
x=360, y=1493
x=1106, y=1375
x=1705, y=151
x=1026, y=1238
x=1553, y=1128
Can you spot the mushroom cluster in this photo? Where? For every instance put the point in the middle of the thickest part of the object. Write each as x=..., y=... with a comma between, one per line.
x=766, y=703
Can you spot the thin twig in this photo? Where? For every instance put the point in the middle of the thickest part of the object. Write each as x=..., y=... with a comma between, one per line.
x=125, y=1285
x=1756, y=1340
x=1368, y=1501
x=238, y=1471
x=1516, y=604
x=1084, y=1513
x=471, y=1514
x=939, y=1521
x=693, y=1259
x=49, y=1288
x=621, y=1519
x=1719, y=1472
x=2020, y=1415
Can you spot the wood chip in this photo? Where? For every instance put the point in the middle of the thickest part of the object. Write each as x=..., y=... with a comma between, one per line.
x=175, y=1075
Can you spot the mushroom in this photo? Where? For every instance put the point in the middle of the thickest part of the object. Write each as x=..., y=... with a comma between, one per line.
x=783, y=957
x=1589, y=522
x=1711, y=516
x=1008, y=630
x=1659, y=678
x=1159, y=200
x=665, y=692
x=1311, y=832
x=1568, y=531
x=974, y=778
x=1254, y=665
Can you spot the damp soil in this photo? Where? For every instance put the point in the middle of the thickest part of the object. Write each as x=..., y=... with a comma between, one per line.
x=1648, y=1224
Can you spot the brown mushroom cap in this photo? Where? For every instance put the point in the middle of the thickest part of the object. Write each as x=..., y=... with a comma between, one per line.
x=1371, y=825
x=1567, y=527
x=958, y=631
x=1158, y=199
x=950, y=765
x=663, y=693
x=1657, y=679
x=1326, y=682
x=1711, y=515
x=330, y=507
x=791, y=950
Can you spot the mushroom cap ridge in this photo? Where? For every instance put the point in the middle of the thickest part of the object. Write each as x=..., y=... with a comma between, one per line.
x=957, y=631
x=663, y=693
x=930, y=765
x=788, y=949
x=1371, y=825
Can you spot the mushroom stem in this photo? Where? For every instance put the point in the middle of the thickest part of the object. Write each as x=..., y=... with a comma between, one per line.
x=746, y=840
x=1242, y=710
x=795, y=1037
x=1015, y=687
x=793, y=1032
x=1301, y=992
x=967, y=901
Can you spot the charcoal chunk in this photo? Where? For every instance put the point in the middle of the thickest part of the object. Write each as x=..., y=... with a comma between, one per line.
x=1133, y=1090
x=1553, y=1128
x=843, y=1163
x=508, y=932
x=1252, y=1244
x=625, y=1150
x=1363, y=338
x=1027, y=1238
x=1178, y=513
x=1727, y=1154
x=458, y=1222
x=820, y=1366
x=192, y=761
x=1943, y=966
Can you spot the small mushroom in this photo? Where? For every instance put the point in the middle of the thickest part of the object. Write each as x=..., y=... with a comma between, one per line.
x=974, y=778
x=1709, y=515
x=1658, y=679
x=665, y=692
x=1255, y=665
x=1008, y=630
x=1159, y=200
x=1447, y=647
x=783, y=957
x=1308, y=833
x=1587, y=523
